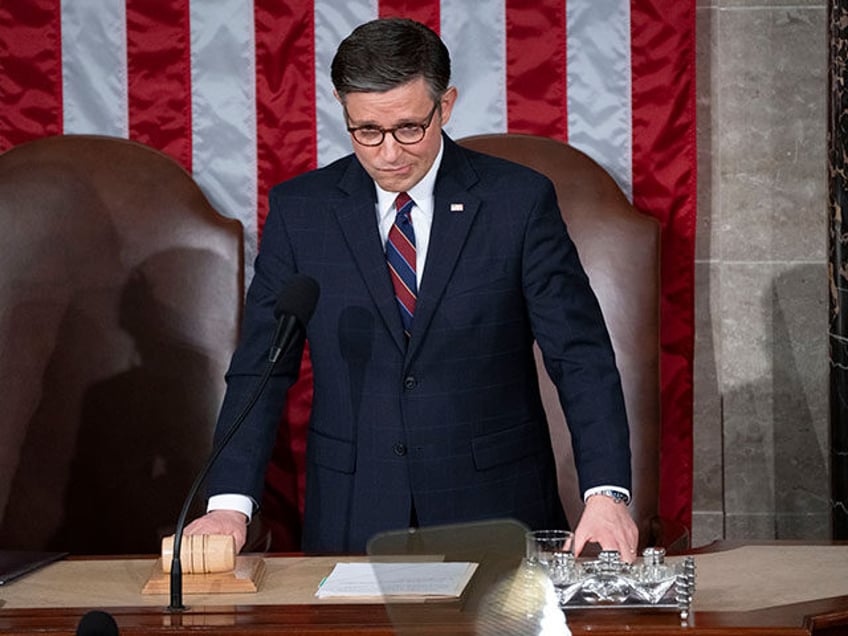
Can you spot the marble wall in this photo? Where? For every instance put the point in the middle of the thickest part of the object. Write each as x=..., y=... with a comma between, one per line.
x=837, y=141
x=761, y=362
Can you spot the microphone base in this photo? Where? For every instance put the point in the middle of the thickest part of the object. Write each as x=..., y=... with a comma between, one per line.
x=246, y=577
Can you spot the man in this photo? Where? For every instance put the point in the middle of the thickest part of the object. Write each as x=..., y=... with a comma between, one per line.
x=426, y=408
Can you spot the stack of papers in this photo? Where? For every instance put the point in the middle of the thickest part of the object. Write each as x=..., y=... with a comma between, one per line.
x=407, y=581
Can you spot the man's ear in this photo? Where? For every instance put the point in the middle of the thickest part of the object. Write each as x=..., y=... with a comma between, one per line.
x=447, y=102
x=338, y=97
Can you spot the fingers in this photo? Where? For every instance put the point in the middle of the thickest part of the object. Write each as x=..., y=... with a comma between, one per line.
x=609, y=524
x=628, y=554
x=579, y=541
x=626, y=539
x=228, y=522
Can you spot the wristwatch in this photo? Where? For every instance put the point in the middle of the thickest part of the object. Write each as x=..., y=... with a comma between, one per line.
x=615, y=495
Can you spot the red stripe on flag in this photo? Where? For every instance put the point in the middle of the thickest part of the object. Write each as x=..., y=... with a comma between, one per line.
x=286, y=147
x=159, y=76
x=285, y=93
x=535, y=69
x=664, y=183
x=30, y=71
x=424, y=11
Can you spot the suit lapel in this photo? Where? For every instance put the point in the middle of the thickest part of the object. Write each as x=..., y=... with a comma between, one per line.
x=356, y=217
x=453, y=215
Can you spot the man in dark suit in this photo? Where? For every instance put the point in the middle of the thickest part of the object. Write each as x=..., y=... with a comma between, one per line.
x=426, y=408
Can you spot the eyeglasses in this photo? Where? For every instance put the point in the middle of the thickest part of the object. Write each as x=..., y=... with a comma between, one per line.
x=406, y=134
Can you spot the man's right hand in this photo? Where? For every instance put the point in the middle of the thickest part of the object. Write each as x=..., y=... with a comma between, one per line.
x=221, y=522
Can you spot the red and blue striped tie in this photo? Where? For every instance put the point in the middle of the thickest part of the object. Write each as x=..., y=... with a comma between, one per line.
x=400, y=254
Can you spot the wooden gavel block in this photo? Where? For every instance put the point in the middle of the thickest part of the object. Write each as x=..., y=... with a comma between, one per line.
x=201, y=553
x=209, y=565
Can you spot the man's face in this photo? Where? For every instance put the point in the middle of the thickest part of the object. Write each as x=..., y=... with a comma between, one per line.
x=398, y=167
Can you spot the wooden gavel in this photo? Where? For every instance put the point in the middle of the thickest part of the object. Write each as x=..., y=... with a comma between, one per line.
x=201, y=553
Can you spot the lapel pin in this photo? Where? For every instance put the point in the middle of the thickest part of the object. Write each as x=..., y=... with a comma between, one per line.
x=457, y=207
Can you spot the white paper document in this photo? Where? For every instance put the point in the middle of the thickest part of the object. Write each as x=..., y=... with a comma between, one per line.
x=416, y=580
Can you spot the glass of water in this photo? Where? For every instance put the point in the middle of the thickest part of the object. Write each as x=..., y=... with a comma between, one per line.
x=553, y=551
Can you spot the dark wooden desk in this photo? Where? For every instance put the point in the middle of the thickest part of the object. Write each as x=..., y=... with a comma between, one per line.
x=828, y=617
x=284, y=606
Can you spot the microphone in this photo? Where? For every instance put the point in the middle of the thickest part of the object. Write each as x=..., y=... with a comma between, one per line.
x=97, y=623
x=293, y=309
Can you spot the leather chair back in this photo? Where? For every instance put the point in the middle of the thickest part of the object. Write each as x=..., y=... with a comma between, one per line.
x=120, y=301
x=619, y=248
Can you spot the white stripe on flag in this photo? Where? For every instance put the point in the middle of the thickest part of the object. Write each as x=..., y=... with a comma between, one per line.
x=94, y=67
x=223, y=94
x=475, y=34
x=599, y=107
x=334, y=21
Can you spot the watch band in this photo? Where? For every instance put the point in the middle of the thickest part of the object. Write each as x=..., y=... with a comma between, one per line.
x=615, y=495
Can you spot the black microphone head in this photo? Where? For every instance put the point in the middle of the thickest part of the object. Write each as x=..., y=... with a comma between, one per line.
x=97, y=623
x=298, y=298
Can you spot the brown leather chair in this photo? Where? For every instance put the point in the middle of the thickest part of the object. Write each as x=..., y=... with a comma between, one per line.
x=120, y=301
x=620, y=250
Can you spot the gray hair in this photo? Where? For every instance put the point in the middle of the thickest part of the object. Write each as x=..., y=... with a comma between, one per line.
x=385, y=53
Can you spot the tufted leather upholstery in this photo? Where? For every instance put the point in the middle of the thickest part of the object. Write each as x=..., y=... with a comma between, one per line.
x=120, y=299
x=620, y=250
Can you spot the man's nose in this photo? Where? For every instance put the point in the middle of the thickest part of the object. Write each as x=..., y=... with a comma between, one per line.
x=390, y=149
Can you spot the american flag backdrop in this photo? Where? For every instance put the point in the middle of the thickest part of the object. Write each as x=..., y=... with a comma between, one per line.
x=238, y=91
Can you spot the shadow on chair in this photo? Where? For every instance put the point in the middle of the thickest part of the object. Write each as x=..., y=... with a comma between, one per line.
x=620, y=250
x=120, y=301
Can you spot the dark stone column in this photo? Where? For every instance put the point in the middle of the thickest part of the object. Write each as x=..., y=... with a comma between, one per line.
x=838, y=261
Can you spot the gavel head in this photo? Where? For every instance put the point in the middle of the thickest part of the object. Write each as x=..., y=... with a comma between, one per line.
x=201, y=553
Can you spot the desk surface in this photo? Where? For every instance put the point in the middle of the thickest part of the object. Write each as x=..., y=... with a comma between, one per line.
x=777, y=589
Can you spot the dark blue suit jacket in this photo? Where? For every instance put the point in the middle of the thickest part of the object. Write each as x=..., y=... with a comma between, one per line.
x=452, y=420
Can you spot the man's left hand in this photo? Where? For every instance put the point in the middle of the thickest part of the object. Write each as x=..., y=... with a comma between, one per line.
x=608, y=523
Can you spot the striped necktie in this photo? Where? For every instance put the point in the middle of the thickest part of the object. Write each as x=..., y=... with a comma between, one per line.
x=400, y=254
